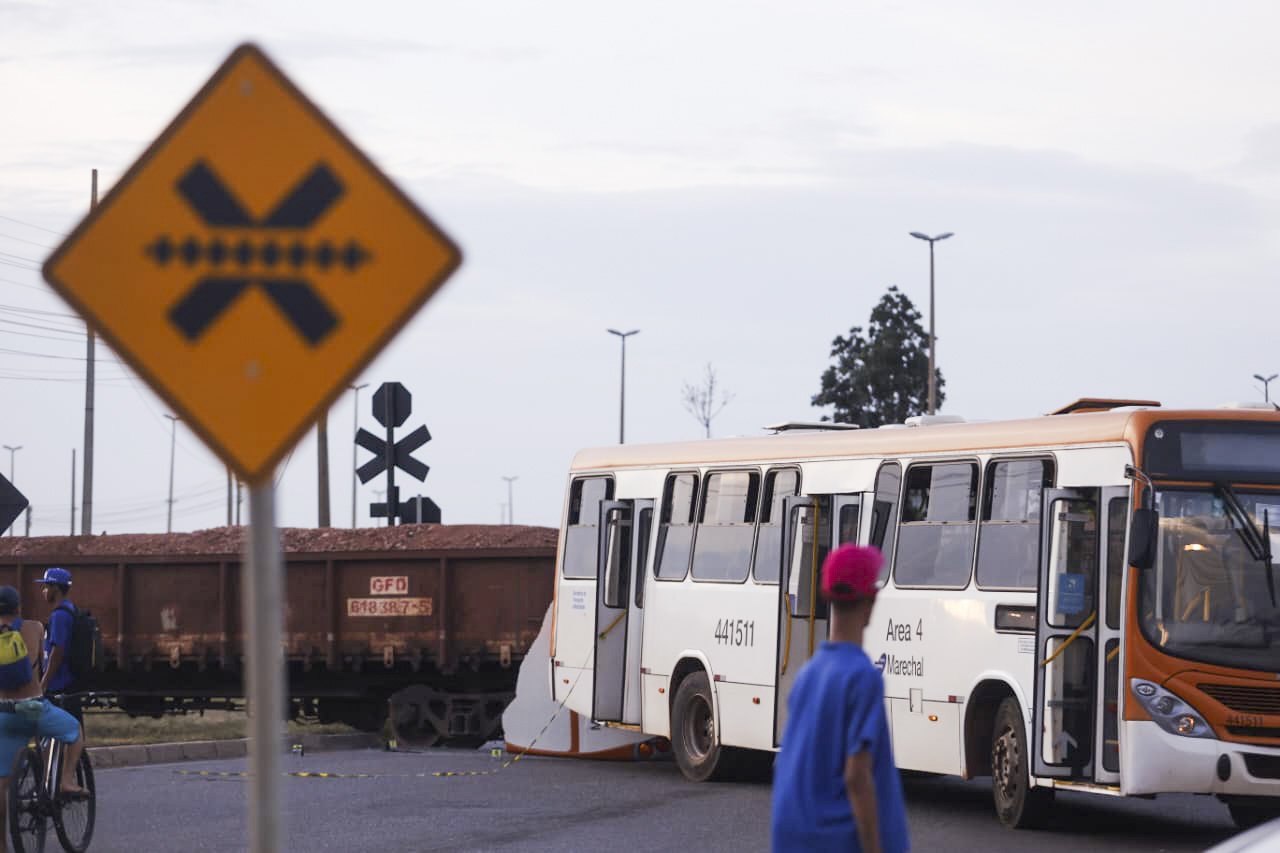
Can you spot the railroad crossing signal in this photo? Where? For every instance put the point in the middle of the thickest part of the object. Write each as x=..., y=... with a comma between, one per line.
x=400, y=455
x=392, y=404
x=12, y=503
x=251, y=263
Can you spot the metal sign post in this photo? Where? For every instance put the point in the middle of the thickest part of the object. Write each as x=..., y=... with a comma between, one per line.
x=262, y=600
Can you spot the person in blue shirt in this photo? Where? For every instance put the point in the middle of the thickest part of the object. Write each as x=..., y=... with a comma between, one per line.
x=835, y=785
x=57, y=677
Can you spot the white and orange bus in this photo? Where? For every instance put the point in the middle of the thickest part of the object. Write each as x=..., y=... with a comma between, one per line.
x=1083, y=601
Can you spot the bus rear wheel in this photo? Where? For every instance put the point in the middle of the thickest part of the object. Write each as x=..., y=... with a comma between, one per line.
x=1018, y=805
x=694, y=739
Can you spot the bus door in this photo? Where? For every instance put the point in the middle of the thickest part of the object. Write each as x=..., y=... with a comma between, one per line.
x=624, y=535
x=1064, y=728
x=802, y=620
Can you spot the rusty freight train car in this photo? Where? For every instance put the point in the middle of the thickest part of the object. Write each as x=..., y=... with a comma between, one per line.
x=427, y=622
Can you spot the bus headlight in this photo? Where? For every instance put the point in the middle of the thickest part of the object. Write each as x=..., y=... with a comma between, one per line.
x=1170, y=713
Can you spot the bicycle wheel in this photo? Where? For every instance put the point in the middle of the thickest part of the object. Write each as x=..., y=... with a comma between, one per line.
x=73, y=815
x=28, y=822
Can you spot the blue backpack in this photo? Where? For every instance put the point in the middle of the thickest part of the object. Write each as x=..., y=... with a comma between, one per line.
x=15, y=660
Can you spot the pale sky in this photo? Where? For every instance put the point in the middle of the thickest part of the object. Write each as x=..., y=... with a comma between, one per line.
x=735, y=179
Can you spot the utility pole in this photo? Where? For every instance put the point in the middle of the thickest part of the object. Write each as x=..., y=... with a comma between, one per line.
x=622, y=397
x=86, y=517
x=73, y=491
x=239, y=500
x=511, y=512
x=173, y=443
x=322, y=467
x=933, y=340
x=229, y=498
x=13, y=451
x=355, y=427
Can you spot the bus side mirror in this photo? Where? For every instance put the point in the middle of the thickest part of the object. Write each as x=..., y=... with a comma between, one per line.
x=1143, y=534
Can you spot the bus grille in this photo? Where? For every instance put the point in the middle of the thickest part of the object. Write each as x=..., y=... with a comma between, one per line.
x=1254, y=731
x=1262, y=766
x=1247, y=700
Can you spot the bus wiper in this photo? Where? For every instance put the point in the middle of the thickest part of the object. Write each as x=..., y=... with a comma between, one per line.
x=1258, y=543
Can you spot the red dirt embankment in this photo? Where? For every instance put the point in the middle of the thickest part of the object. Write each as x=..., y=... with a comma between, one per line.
x=230, y=540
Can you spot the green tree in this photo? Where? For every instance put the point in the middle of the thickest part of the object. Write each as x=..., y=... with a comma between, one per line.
x=882, y=377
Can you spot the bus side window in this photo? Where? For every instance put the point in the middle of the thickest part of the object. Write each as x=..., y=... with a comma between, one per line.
x=939, y=519
x=726, y=526
x=581, y=545
x=778, y=485
x=804, y=560
x=675, y=529
x=800, y=561
x=884, y=514
x=643, y=526
x=1009, y=538
x=848, y=529
x=617, y=568
x=1117, y=518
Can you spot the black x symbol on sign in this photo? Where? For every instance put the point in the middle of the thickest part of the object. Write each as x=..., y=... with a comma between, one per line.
x=216, y=292
x=402, y=451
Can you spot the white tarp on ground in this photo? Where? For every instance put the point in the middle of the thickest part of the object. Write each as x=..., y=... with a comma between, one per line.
x=569, y=734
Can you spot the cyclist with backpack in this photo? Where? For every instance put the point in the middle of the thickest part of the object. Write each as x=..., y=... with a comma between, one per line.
x=19, y=656
x=59, y=641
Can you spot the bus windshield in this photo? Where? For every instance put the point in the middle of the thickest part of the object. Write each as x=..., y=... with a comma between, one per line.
x=1209, y=597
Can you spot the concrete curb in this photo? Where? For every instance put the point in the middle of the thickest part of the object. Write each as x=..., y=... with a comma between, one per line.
x=104, y=757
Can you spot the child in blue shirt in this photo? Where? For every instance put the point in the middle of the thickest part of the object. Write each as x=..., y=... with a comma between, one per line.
x=835, y=784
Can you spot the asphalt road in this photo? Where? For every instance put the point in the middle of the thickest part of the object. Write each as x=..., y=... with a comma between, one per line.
x=552, y=804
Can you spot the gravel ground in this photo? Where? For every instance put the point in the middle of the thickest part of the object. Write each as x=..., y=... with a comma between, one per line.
x=230, y=540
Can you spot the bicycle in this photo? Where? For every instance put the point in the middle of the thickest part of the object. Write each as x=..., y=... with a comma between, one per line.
x=36, y=799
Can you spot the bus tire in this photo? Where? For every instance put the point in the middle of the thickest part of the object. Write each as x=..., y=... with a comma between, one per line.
x=1018, y=805
x=694, y=739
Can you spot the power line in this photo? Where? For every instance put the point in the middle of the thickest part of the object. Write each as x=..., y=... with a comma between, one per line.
x=21, y=258
x=33, y=225
x=80, y=358
x=28, y=286
x=42, y=328
x=22, y=309
x=21, y=240
x=42, y=337
x=113, y=380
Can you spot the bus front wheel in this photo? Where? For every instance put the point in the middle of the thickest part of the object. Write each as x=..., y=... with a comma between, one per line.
x=1018, y=805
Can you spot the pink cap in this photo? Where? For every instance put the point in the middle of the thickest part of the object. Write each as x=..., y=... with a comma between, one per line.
x=850, y=573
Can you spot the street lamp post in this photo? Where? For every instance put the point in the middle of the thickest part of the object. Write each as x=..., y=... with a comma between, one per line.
x=933, y=379
x=13, y=452
x=511, y=512
x=173, y=443
x=1266, y=384
x=622, y=397
x=355, y=428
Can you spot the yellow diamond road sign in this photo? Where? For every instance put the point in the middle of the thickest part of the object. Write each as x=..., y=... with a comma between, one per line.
x=251, y=263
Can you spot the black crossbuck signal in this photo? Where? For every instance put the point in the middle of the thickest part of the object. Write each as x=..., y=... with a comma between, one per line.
x=392, y=404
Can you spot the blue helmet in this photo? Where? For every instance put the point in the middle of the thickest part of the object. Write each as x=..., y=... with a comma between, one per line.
x=61, y=577
x=8, y=601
